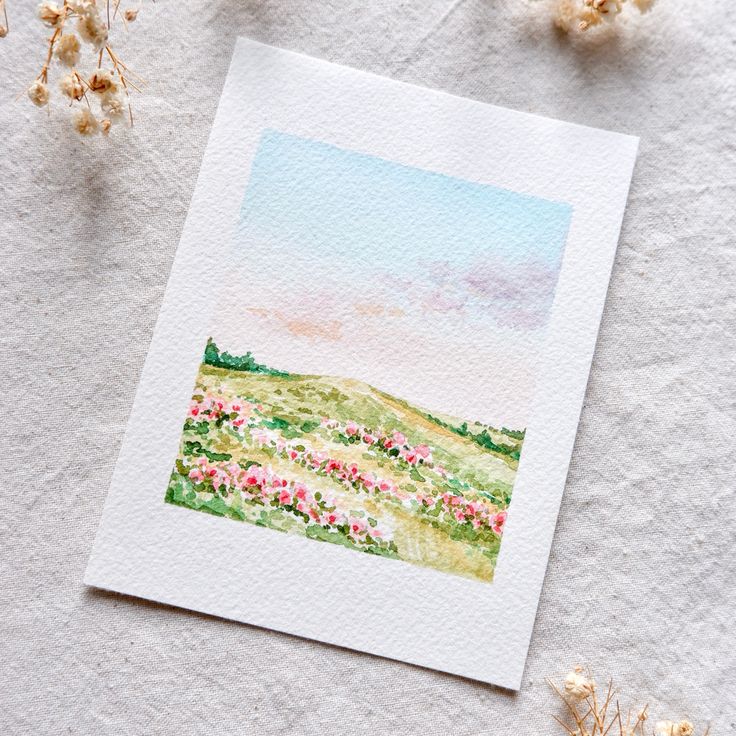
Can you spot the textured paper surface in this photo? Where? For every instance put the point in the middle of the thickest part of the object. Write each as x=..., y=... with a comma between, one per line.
x=163, y=553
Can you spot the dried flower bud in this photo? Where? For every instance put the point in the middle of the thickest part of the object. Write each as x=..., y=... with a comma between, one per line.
x=67, y=49
x=72, y=87
x=105, y=126
x=584, y=14
x=578, y=686
x=670, y=728
x=50, y=14
x=82, y=7
x=85, y=123
x=130, y=15
x=608, y=9
x=38, y=93
x=92, y=29
x=3, y=31
x=113, y=106
x=588, y=17
x=102, y=81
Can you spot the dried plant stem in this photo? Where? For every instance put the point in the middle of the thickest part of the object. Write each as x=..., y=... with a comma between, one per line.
x=105, y=93
x=587, y=715
x=43, y=76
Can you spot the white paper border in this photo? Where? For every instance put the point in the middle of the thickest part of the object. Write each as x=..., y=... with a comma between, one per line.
x=150, y=549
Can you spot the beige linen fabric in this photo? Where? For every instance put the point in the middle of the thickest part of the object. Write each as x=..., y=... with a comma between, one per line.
x=641, y=578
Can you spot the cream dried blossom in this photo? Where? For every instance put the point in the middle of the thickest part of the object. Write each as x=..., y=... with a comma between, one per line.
x=92, y=28
x=105, y=126
x=38, y=93
x=113, y=106
x=671, y=728
x=583, y=14
x=85, y=123
x=72, y=87
x=578, y=686
x=4, y=27
x=643, y=6
x=51, y=14
x=82, y=7
x=67, y=49
x=102, y=80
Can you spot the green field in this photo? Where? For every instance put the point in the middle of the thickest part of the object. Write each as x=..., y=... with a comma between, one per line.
x=336, y=460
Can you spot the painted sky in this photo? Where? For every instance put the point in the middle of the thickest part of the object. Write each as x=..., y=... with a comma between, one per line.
x=427, y=286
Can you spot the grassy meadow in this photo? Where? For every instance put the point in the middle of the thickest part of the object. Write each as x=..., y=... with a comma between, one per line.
x=336, y=460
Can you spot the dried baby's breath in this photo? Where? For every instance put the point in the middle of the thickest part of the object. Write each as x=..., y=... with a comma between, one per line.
x=113, y=106
x=50, y=13
x=68, y=49
x=85, y=123
x=102, y=80
x=71, y=85
x=92, y=28
x=4, y=25
x=671, y=728
x=81, y=31
x=578, y=686
x=588, y=712
x=580, y=15
x=38, y=94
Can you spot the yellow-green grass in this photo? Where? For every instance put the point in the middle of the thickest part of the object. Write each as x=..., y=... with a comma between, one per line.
x=301, y=402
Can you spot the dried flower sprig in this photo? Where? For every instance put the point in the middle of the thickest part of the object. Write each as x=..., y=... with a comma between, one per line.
x=589, y=714
x=4, y=27
x=580, y=15
x=101, y=97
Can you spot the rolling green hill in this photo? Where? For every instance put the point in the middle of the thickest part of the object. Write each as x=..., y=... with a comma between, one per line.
x=337, y=460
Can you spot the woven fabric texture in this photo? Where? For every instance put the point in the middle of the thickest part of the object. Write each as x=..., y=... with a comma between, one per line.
x=640, y=583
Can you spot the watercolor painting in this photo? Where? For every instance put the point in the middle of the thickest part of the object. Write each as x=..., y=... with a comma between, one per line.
x=370, y=367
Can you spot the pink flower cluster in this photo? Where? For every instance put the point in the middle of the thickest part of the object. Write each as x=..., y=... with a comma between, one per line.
x=380, y=440
x=260, y=485
x=236, y=413
x=445, y=507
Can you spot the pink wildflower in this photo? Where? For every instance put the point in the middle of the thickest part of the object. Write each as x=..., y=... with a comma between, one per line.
x=399, y=438
x=410, y=456
x=357, y=526
x=498, y=522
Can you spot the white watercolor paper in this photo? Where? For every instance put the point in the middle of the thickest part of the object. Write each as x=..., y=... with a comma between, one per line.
x=356, y=416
